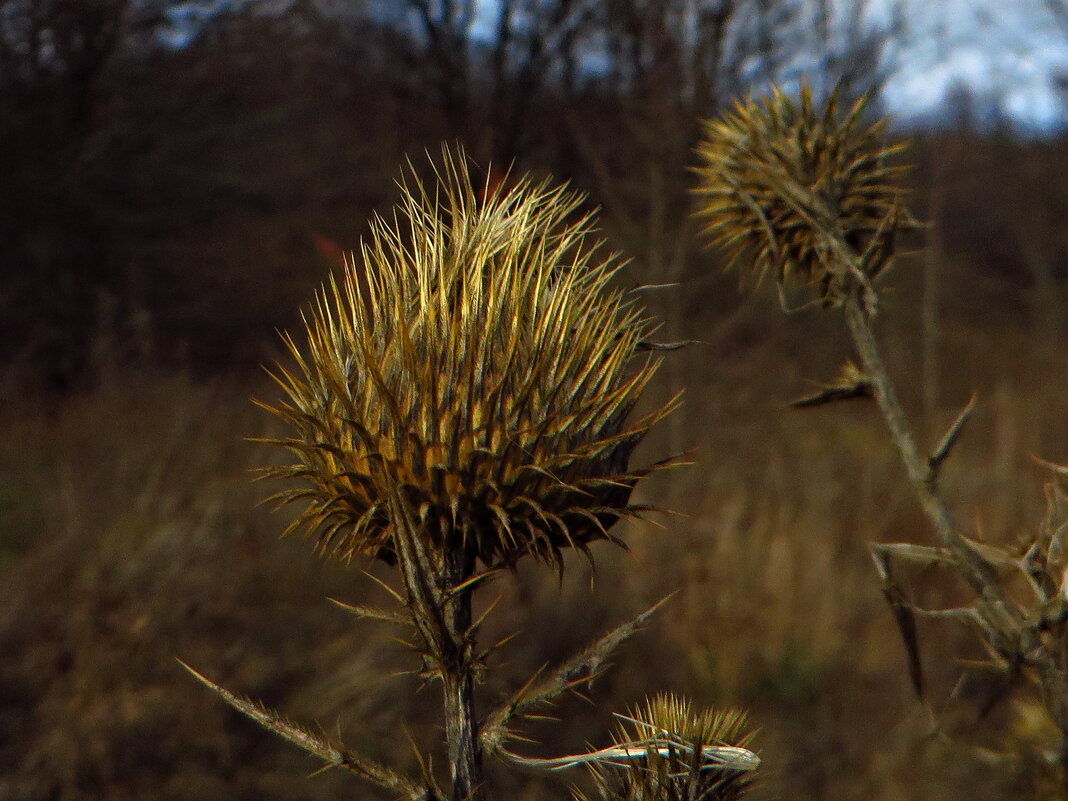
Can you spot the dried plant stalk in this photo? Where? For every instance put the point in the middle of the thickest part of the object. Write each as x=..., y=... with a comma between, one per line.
x=776, y=175
x=477, y=360
x=464, y=400
x=807, y=194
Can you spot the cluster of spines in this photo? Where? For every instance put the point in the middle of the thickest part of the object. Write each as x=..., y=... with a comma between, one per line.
x=477, y=359
x=685, y=754
x=781, y=182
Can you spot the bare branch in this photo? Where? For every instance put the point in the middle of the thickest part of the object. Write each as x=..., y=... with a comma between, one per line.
x=1058, y=9
x=335, y=755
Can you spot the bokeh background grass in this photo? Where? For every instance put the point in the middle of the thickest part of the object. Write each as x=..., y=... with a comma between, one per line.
x=209, y=194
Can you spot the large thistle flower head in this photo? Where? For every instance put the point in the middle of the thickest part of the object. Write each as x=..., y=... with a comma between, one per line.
x=669, y=750
x=477, y=364
x=802, y=192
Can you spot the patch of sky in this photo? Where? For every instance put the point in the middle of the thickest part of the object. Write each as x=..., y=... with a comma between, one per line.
x=1009, y=56
x=186, y=20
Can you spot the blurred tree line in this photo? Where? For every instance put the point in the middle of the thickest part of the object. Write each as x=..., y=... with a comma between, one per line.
x=170, y=204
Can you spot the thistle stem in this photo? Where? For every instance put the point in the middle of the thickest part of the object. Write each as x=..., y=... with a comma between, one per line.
x=436, y=580
x=461, y=734
x=457, y=674
x=976, y=570
x=1006, y=629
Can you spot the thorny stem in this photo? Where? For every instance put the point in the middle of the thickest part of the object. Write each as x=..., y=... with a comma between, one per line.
x=1005, y=627
x=977, y=571
x=439, y=602
x=457, y=674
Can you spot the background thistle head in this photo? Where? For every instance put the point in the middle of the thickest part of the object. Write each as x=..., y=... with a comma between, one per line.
x=475, y=364
x=800, y=191
x=672, y=751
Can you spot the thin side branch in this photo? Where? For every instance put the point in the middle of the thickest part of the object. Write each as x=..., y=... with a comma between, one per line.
x=924, y=555
x=962, y=614
x=334, y=755
x=581, y=669
x=718, y=756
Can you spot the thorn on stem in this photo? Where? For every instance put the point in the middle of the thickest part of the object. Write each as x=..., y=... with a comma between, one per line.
x=934, y=462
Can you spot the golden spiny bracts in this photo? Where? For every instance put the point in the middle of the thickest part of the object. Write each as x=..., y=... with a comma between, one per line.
x=779, y=182
x=668, y=751
x=475, y=362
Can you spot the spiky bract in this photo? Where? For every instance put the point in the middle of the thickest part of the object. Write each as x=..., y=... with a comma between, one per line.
x=476, y=363
x=779, y=181
x=685, y=754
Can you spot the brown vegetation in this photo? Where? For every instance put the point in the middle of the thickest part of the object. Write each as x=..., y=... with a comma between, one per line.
x=131, y=542
x=179, y=230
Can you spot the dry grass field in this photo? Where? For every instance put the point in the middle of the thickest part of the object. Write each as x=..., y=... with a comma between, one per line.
x=131, y=536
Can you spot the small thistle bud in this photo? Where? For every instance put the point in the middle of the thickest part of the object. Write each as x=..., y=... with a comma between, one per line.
x=668, y=751
x=476, y=361
x=802, y=193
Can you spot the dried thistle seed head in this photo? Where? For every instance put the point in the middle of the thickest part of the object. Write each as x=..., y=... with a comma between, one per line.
x=476, y=362
x=670, y=751
x=782, y=185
